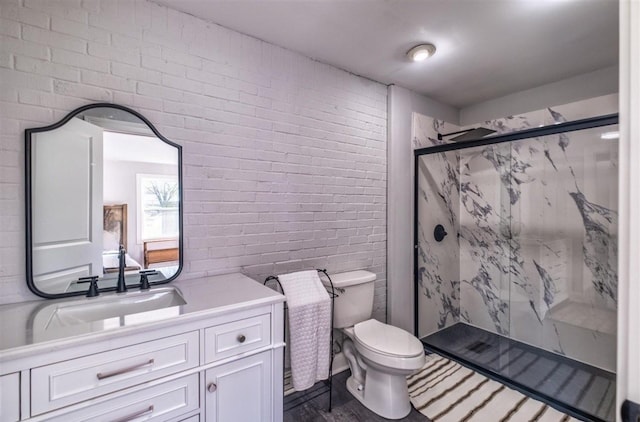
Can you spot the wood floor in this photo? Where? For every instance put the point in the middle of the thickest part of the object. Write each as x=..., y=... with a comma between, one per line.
x=345, y=406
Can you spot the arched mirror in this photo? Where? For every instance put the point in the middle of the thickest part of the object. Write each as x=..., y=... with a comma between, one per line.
x=103, y=198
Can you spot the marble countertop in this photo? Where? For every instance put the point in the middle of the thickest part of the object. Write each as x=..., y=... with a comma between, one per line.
x=26, y=328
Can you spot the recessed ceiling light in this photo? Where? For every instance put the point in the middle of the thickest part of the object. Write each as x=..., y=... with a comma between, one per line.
x=610, y=135
x=421, y=52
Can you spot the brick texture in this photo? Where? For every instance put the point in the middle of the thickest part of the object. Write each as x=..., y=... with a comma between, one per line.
x=284, y=157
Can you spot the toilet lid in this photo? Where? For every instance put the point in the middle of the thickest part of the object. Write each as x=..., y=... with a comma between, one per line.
x=387, y=339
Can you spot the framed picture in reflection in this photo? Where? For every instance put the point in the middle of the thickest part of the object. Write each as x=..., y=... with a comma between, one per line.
x=115, y=227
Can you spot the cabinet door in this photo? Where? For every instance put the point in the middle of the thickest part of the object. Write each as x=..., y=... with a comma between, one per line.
x=240, y=391
x=10, y=397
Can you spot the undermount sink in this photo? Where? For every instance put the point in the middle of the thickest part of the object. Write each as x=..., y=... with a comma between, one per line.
x=117, y=309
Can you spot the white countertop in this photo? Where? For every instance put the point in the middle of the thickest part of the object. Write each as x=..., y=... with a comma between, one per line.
x=22, y=331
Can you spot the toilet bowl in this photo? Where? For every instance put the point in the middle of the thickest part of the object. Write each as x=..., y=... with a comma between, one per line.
x=380, y=356
x=385, y=356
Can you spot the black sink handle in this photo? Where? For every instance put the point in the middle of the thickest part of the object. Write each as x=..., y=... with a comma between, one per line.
x=93, y=286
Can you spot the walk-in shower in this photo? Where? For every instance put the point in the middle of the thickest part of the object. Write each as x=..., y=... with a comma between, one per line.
x=523, y=283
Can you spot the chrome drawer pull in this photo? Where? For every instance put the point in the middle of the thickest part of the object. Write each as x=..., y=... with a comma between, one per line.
x=136, y=415
x=212, y=388
x=102, y=376
x=241, y=338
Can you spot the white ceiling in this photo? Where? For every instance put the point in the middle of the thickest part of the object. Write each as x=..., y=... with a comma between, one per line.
x=485, y=48
x=142, y=149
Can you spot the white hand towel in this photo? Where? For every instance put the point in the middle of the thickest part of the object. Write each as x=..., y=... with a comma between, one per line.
x=310, y=327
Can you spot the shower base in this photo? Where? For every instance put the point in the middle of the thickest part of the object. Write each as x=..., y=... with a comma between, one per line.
x=573, y=387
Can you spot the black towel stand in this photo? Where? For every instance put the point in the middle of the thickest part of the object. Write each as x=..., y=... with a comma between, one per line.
x=333, y=295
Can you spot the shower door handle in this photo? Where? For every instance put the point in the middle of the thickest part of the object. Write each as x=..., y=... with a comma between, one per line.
x=630, y=411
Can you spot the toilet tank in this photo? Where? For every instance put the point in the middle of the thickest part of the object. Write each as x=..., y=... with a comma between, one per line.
x=354, y=302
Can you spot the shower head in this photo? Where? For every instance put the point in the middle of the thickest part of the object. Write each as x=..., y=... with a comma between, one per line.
x=468, y=134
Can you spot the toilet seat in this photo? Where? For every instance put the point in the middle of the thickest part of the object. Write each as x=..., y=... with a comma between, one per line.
x=387, y=340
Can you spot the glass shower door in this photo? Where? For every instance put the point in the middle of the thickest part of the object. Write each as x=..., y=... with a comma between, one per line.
x=563, y=287
x=524, y=284
x=564, y=257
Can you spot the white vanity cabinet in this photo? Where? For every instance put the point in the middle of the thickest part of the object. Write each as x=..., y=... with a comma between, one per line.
x=217, y=363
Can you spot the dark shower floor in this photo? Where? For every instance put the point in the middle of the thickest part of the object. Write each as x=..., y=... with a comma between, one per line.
x=579, y=388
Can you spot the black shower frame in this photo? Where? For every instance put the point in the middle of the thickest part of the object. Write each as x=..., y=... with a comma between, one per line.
x=563, y=127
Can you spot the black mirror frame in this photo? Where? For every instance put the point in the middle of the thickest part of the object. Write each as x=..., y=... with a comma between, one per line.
x=28, y=202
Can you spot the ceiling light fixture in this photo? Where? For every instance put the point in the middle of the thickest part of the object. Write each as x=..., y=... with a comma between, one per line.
x=421, y=52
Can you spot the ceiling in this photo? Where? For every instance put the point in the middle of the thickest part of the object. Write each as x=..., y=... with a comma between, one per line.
x=485, y=48
x=142, y=149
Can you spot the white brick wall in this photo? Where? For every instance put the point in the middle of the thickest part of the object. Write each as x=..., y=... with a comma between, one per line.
x=284, y=157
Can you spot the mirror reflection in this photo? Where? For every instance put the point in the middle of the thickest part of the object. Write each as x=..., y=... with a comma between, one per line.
x=105, y=202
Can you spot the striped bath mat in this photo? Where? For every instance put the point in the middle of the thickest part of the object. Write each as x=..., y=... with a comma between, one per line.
x=445, y=391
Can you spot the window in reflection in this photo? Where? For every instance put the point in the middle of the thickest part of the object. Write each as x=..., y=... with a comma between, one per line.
x=158, y=205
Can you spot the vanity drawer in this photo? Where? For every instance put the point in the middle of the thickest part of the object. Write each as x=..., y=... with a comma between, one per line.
x=10, y=397
x=158, y=403
x=237, y=337
x=76, y=380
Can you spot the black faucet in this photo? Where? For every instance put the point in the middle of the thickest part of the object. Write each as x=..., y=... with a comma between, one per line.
x=122, y=259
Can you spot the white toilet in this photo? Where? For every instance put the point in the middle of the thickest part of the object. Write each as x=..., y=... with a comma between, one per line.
x=380, y=356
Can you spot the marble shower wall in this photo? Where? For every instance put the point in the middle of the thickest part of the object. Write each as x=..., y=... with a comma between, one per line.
x=438, y=203
x=535, y=257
